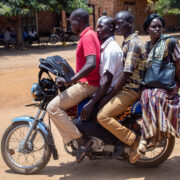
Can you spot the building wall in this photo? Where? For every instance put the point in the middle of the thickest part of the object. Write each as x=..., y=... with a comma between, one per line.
x=100, y=6
x=172, y=23
x=4, y=24
x=45, y=22
x=137, y=7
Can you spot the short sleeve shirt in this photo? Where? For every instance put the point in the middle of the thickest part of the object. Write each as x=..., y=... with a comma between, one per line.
x=88, y=45
x=7, y=36
x=111, y=60
x=164, y=47
x=32, y=34
x=134, y=61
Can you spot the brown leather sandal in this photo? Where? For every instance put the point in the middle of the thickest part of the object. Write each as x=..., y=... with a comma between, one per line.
x=133, y=153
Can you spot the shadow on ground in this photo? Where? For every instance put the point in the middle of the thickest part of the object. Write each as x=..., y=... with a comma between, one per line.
x=37, y=50
x=112, y=169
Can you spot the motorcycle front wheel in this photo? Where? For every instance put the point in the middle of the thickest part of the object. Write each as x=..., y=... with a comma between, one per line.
x=29, y=160
x=158, y=154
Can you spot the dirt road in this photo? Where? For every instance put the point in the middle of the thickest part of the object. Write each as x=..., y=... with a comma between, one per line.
x=18, y=70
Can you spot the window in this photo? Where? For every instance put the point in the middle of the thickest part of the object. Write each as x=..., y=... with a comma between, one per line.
x=29, y=21
x=129, y=3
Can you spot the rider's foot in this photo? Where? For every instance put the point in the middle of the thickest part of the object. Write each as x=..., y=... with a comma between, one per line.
x=82, y=150
x=118, y=150
x=142, y=147
x=133, y=153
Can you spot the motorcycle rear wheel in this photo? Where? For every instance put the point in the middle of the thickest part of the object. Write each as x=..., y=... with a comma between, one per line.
x=160, y=154
x=29, y=162
x=53, y=39
x=73, y=38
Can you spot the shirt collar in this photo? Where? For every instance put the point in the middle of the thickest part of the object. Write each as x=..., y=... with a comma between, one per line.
x=85, y=31
x=103, y=46
x=130, y=37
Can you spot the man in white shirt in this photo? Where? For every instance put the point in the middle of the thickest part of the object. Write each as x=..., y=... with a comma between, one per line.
x=111, y=63
x=33, y=36
x=7, y=36
x=111, y=66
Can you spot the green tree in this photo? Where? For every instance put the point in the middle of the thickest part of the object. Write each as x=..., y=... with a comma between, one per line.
x=163, y=7
x=15, y=9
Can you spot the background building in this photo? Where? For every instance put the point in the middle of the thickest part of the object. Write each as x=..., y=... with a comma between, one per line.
x=44, y=22
x=137, y=7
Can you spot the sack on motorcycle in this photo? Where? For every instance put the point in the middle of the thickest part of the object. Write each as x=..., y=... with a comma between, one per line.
x=57, y=66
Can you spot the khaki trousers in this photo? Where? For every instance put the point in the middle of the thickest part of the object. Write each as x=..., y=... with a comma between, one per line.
x=118, y=104
x=68, y=98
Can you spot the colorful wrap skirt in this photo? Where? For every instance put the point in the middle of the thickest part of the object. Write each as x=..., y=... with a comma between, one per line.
x=161, y=114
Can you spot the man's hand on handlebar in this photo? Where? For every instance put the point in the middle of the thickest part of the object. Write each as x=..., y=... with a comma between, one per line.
x=61, y=81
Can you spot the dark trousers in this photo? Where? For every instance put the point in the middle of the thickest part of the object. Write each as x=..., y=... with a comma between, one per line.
x=31, y=39
x=90, y=127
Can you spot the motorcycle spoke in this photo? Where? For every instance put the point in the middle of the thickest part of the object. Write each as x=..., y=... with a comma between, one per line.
x=19, y=156
x=19, y=133
x=36, y=140
x=156, y=152
x=13, y=147
x=34, y=159
x=153, y=153
x=26, y=160
x=14, y=134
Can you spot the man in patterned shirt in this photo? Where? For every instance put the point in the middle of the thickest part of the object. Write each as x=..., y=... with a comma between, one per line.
x=126, y=90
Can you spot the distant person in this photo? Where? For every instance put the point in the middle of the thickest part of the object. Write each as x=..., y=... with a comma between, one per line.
x=33, y=36
x=25, y=34
x=103, y=15
x=2, y=34
x=7, y=38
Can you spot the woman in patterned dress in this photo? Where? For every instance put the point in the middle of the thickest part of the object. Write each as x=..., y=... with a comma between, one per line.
x=161, y=108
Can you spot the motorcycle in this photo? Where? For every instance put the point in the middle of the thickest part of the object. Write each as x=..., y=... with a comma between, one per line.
x=63, y=36
x=27, y=144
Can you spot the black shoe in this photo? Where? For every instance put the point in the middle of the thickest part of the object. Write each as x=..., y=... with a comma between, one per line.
x=82, y=150
x=118, y=150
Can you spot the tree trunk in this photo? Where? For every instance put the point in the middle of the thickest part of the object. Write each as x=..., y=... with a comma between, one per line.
x=19, y=37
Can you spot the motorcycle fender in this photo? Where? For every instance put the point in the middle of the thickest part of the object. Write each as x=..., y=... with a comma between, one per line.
x=54, y=35
x=30, y=120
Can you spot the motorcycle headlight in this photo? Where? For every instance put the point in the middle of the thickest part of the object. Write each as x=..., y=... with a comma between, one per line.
x=36, y=93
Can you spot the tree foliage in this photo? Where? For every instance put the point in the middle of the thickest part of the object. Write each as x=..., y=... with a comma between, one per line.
x=23, y=7
x=163, y=7
x=77, y=4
